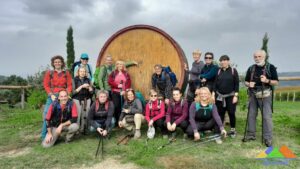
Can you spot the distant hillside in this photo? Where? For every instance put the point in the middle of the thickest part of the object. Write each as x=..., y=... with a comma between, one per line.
x=289, y=74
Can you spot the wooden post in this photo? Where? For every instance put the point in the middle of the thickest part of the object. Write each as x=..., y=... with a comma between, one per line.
x=294, y=96
x=280, y=96
x=23, y=98
x=288, y=95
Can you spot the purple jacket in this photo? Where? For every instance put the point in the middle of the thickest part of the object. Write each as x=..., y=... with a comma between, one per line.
x=215, y=115
x=177, y=111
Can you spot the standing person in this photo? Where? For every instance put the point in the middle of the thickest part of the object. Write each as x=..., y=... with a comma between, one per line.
x=132, y=116
x=177, y=113
x=260, y=78
x=226, y=91
x=101, y=113
x=209, y=71
x=203, y=115
x=61, y=117
x=84, y=59
x=194, y=80
x=161, y=82
x=119, y=80
x=82, y=95
x=54, y=81
x=155, y=113
x=102, y=73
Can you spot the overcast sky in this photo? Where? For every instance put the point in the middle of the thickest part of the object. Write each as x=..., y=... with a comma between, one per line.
x=32, y=31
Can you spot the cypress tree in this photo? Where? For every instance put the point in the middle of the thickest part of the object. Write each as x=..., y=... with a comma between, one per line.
x=265, y=46
x=70, y=48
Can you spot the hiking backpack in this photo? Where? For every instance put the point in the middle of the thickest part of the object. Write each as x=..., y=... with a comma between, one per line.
x=172, y=75
x=78, y=64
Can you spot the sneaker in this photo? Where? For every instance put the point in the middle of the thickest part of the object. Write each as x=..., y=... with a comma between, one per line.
x=232, y=133
x=137, y=134
x=249, y=138
x=268, y=143
x=219, y=141
x=165, y=136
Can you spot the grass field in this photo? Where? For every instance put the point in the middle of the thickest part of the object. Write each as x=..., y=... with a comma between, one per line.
x=20, y=145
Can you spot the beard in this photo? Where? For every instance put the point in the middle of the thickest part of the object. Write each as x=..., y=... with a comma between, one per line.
x=261, y=63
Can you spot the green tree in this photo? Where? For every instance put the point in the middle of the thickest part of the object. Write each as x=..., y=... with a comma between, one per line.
x=265, y=45
x=12, y=96
x=70, y=48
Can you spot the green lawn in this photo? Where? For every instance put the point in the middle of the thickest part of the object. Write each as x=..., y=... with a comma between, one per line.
x=20, y=145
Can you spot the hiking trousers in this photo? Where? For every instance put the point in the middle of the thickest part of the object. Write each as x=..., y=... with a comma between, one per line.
x=254, y=105
x=68, y=131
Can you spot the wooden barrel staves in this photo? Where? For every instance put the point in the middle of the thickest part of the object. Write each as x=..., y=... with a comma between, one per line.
x=148, y=46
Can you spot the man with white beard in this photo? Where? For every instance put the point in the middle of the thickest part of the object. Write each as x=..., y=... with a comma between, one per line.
x=260, y=79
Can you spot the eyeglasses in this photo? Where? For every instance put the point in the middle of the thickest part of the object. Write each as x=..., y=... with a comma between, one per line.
x=85, y=59
x=207, y=57
x=153, y=95
x=257, y=56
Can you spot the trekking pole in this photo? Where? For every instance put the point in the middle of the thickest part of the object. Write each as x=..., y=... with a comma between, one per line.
x=100, y=139
x=262, y=114
x=166, y=144
x=124, y=138
x=246, y=126
x=84, y=116
x=214, y=137
x=102, y=147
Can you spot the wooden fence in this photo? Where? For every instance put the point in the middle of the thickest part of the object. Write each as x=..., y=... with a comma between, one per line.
x=23, y=88
x=289, y=93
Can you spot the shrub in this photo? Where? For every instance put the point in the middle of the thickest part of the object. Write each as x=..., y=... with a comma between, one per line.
x=243, y=99
x=37, y=98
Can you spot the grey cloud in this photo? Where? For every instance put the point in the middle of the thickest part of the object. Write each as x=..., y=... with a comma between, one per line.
x=55, y=9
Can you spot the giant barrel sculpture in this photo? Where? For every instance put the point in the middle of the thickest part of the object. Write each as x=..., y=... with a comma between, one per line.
x=148, y=46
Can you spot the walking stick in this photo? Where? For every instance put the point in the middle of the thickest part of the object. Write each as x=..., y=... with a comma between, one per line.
x=246, y=126
x=262, y=115
x=84, y=121
x=209, y=139
x=100, y=140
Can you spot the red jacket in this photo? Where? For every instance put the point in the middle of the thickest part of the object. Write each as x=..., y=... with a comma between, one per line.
x=59, y=81
x=155, y=112
x=56, y=109
x=114, y=85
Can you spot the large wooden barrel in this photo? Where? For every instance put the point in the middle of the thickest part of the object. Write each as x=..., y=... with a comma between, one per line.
x=148, y=46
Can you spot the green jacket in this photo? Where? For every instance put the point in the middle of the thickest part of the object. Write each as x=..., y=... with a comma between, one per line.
x=102, y=72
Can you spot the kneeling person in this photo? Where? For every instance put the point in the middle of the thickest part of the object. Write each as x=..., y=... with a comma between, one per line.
x=101, y=113
x=132, y=116
x=61, y=118
x=204, y=115
x=177, y=113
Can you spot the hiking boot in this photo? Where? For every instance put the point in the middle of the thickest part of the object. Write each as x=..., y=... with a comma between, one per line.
x=219, y=141
x=249, y=138
x=165, y=136
x=232, y=133
x=173, y=136
x=268, y=143
x=137, y=134
x=185, y=136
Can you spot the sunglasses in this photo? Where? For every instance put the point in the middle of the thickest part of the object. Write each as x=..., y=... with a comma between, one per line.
x=207, y=57
x=127, y=90
x=153, y=95
x=85, y=59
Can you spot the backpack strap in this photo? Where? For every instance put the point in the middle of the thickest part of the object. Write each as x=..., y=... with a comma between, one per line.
x=252, y=69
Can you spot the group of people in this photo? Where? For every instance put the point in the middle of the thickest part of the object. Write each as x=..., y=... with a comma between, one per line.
x=213, y=90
